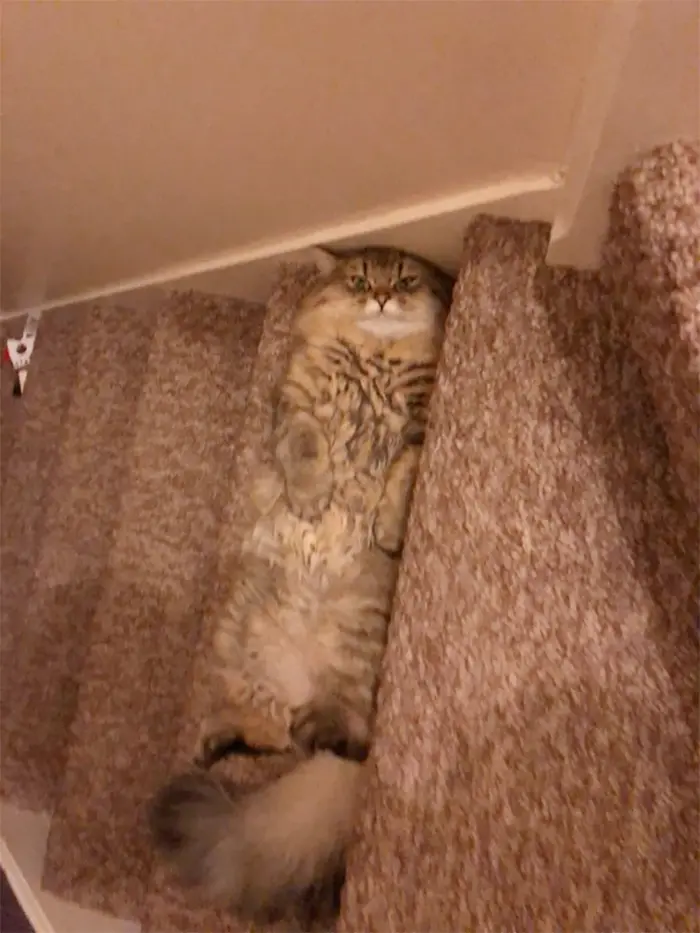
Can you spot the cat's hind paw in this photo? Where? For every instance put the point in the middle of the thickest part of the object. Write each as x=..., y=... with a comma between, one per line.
x=317, y=728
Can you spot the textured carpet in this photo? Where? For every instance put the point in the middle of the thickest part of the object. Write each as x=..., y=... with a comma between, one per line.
x=175, y=414
x=167, y=907
x=656, y=233
x=535, y=765
x=38, y=661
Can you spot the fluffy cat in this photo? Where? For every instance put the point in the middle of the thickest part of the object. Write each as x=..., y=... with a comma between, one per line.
x=299, y=644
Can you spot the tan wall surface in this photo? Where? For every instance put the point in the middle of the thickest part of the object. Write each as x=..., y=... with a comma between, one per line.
x=138, y=135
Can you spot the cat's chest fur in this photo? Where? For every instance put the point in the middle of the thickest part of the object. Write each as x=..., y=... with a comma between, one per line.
x=367, y=398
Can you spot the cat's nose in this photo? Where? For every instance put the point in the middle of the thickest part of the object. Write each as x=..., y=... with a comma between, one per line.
x=381, y=299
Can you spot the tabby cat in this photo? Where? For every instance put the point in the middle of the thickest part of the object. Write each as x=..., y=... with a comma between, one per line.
x=301, y=638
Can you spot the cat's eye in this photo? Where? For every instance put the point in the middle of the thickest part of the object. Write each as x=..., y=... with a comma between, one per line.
x=358, y=283
x=407, y=283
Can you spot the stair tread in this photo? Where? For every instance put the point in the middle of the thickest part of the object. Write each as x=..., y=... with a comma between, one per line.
x=183, y=428
x=167, y=907
x=36, y=426
x=540, y=770
x=553, y=695
x=11, y=414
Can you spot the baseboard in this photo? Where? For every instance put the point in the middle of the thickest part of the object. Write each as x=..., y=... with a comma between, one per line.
x=23, y=837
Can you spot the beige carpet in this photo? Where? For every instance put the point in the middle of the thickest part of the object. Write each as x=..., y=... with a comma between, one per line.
x=535, y=765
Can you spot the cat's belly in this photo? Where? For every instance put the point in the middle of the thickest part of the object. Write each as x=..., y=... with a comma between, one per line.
x=290, y=646
x=288, y=674
x=316, y=552
x=295, y=642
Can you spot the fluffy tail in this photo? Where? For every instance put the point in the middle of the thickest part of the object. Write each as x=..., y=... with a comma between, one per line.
x=254, y=852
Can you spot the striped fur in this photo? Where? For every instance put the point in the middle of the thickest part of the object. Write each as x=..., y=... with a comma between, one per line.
x=300, y=641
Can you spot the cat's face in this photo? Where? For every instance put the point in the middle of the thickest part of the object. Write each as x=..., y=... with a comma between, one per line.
x=381, y=292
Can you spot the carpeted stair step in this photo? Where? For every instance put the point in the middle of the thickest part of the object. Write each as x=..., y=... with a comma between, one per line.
x=166, y=907
x=59, y=498
x=182, y=437
x=31, y=427
x=30, y=435
x=11, y=414
x=660, y=304
x=535, y=763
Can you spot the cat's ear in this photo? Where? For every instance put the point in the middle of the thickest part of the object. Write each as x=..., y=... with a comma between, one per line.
x=324, y=259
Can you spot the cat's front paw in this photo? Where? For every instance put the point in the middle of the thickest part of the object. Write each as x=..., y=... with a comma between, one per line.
x=309, y=505
x=266, y=491
x=388, y=536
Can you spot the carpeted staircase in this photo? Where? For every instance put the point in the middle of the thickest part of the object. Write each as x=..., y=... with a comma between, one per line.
x=535, y=765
